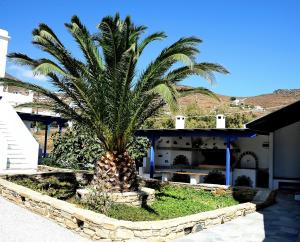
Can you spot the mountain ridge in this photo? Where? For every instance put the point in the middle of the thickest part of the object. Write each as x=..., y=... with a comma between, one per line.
x=262, y=104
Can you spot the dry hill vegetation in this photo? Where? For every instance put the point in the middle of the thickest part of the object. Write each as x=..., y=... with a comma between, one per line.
x=201, y=110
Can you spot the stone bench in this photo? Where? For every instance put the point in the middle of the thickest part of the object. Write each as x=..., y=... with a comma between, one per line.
x=194, y=176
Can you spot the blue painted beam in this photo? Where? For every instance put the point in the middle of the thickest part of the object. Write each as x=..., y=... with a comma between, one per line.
x=228, y=161
x=223, y=133
x=60, y=126
x=152, y=157
x=47, y=132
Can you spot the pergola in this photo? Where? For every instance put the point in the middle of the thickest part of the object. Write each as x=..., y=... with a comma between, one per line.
x=46, y=120
x=229, y=135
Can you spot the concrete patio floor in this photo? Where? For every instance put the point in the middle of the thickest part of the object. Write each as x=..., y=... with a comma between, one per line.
x=278, y=223
x=20, y=225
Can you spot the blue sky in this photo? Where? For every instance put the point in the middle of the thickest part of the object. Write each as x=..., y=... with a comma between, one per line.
x=257, y=41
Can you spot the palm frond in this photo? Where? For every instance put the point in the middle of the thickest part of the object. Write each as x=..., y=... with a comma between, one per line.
x=149, y=39
x=198, y=90
x=106, y=91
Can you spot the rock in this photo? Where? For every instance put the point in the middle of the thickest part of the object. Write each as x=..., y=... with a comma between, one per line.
x=124, y=234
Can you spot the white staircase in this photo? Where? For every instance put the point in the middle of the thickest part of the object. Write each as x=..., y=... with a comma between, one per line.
x=18, y=148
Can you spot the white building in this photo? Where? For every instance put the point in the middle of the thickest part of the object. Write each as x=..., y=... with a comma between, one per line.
x=283, y=129
x=266, y=151
x=19, y=150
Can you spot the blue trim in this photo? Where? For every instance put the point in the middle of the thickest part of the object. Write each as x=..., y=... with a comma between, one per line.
x=47, y=131
x=228, y=161
x=152, y=157
x=223, y=133
x=60, y=126
x=229, y=135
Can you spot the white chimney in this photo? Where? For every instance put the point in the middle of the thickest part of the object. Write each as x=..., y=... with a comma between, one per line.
x=179, y=122
x=3, y=50
x=220, y=121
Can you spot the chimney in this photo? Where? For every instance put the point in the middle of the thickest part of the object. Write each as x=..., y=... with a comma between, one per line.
x=179, y=122
x=3, y=50
x=220, y=121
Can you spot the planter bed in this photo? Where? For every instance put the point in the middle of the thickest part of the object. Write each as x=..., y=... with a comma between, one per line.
x=181, y=210
x=171, y=200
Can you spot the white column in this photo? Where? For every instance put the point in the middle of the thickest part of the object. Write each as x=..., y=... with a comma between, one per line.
x=271, y=159
x=194, y=180
x=166, y=177
x=3, y=50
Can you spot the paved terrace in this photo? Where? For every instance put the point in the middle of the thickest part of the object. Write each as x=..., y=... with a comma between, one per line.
x=278, y=223
x=20, y=225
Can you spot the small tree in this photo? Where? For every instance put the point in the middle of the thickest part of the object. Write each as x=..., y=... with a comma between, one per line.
x=238, y=120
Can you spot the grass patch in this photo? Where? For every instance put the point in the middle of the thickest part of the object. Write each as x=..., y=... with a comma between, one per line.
x=172, y=202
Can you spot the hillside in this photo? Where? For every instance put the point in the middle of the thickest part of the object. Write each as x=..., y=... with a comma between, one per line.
x=261, y=104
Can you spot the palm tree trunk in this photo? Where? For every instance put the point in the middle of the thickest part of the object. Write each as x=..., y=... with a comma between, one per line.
x=116, y=172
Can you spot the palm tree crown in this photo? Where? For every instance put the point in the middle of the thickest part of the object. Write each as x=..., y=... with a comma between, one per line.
x=104, y=90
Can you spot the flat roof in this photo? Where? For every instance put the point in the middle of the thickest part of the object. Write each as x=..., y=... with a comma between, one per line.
x=41, y=118
x=214, y=132
x=277, y=119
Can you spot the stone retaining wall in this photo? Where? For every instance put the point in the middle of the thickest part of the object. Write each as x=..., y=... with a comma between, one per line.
x=82, y=177
x=99, y=227
x=145, y=196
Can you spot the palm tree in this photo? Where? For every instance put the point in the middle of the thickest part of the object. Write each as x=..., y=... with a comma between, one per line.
x=103, y=89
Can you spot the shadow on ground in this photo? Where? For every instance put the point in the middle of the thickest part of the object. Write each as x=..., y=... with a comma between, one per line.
x=282, y=220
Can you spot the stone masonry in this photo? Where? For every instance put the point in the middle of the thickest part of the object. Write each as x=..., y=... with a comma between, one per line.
x=99, y=227
x=145, y=196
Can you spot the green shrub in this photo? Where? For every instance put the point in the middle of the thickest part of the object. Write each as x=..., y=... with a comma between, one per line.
x=139, y=148
x=50, y=186
x=79, y=149
x=243, y=181
x=244, y=194
x=76, y=149
x=97, y=200
x=215, y=177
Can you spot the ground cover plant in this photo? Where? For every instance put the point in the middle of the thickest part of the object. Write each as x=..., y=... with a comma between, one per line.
x=170, y=201
x=104, y=90
x=50, y=186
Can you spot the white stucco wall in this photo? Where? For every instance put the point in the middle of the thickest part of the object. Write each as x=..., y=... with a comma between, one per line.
x=287, y=151
x=256, y=145
x=164, y=157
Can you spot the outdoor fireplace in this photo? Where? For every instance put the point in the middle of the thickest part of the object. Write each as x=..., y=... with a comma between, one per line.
x=215, y=156
x=181, y=160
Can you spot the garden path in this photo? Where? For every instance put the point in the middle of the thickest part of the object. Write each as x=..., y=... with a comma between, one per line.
x=278, y=223
x=20, y=225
